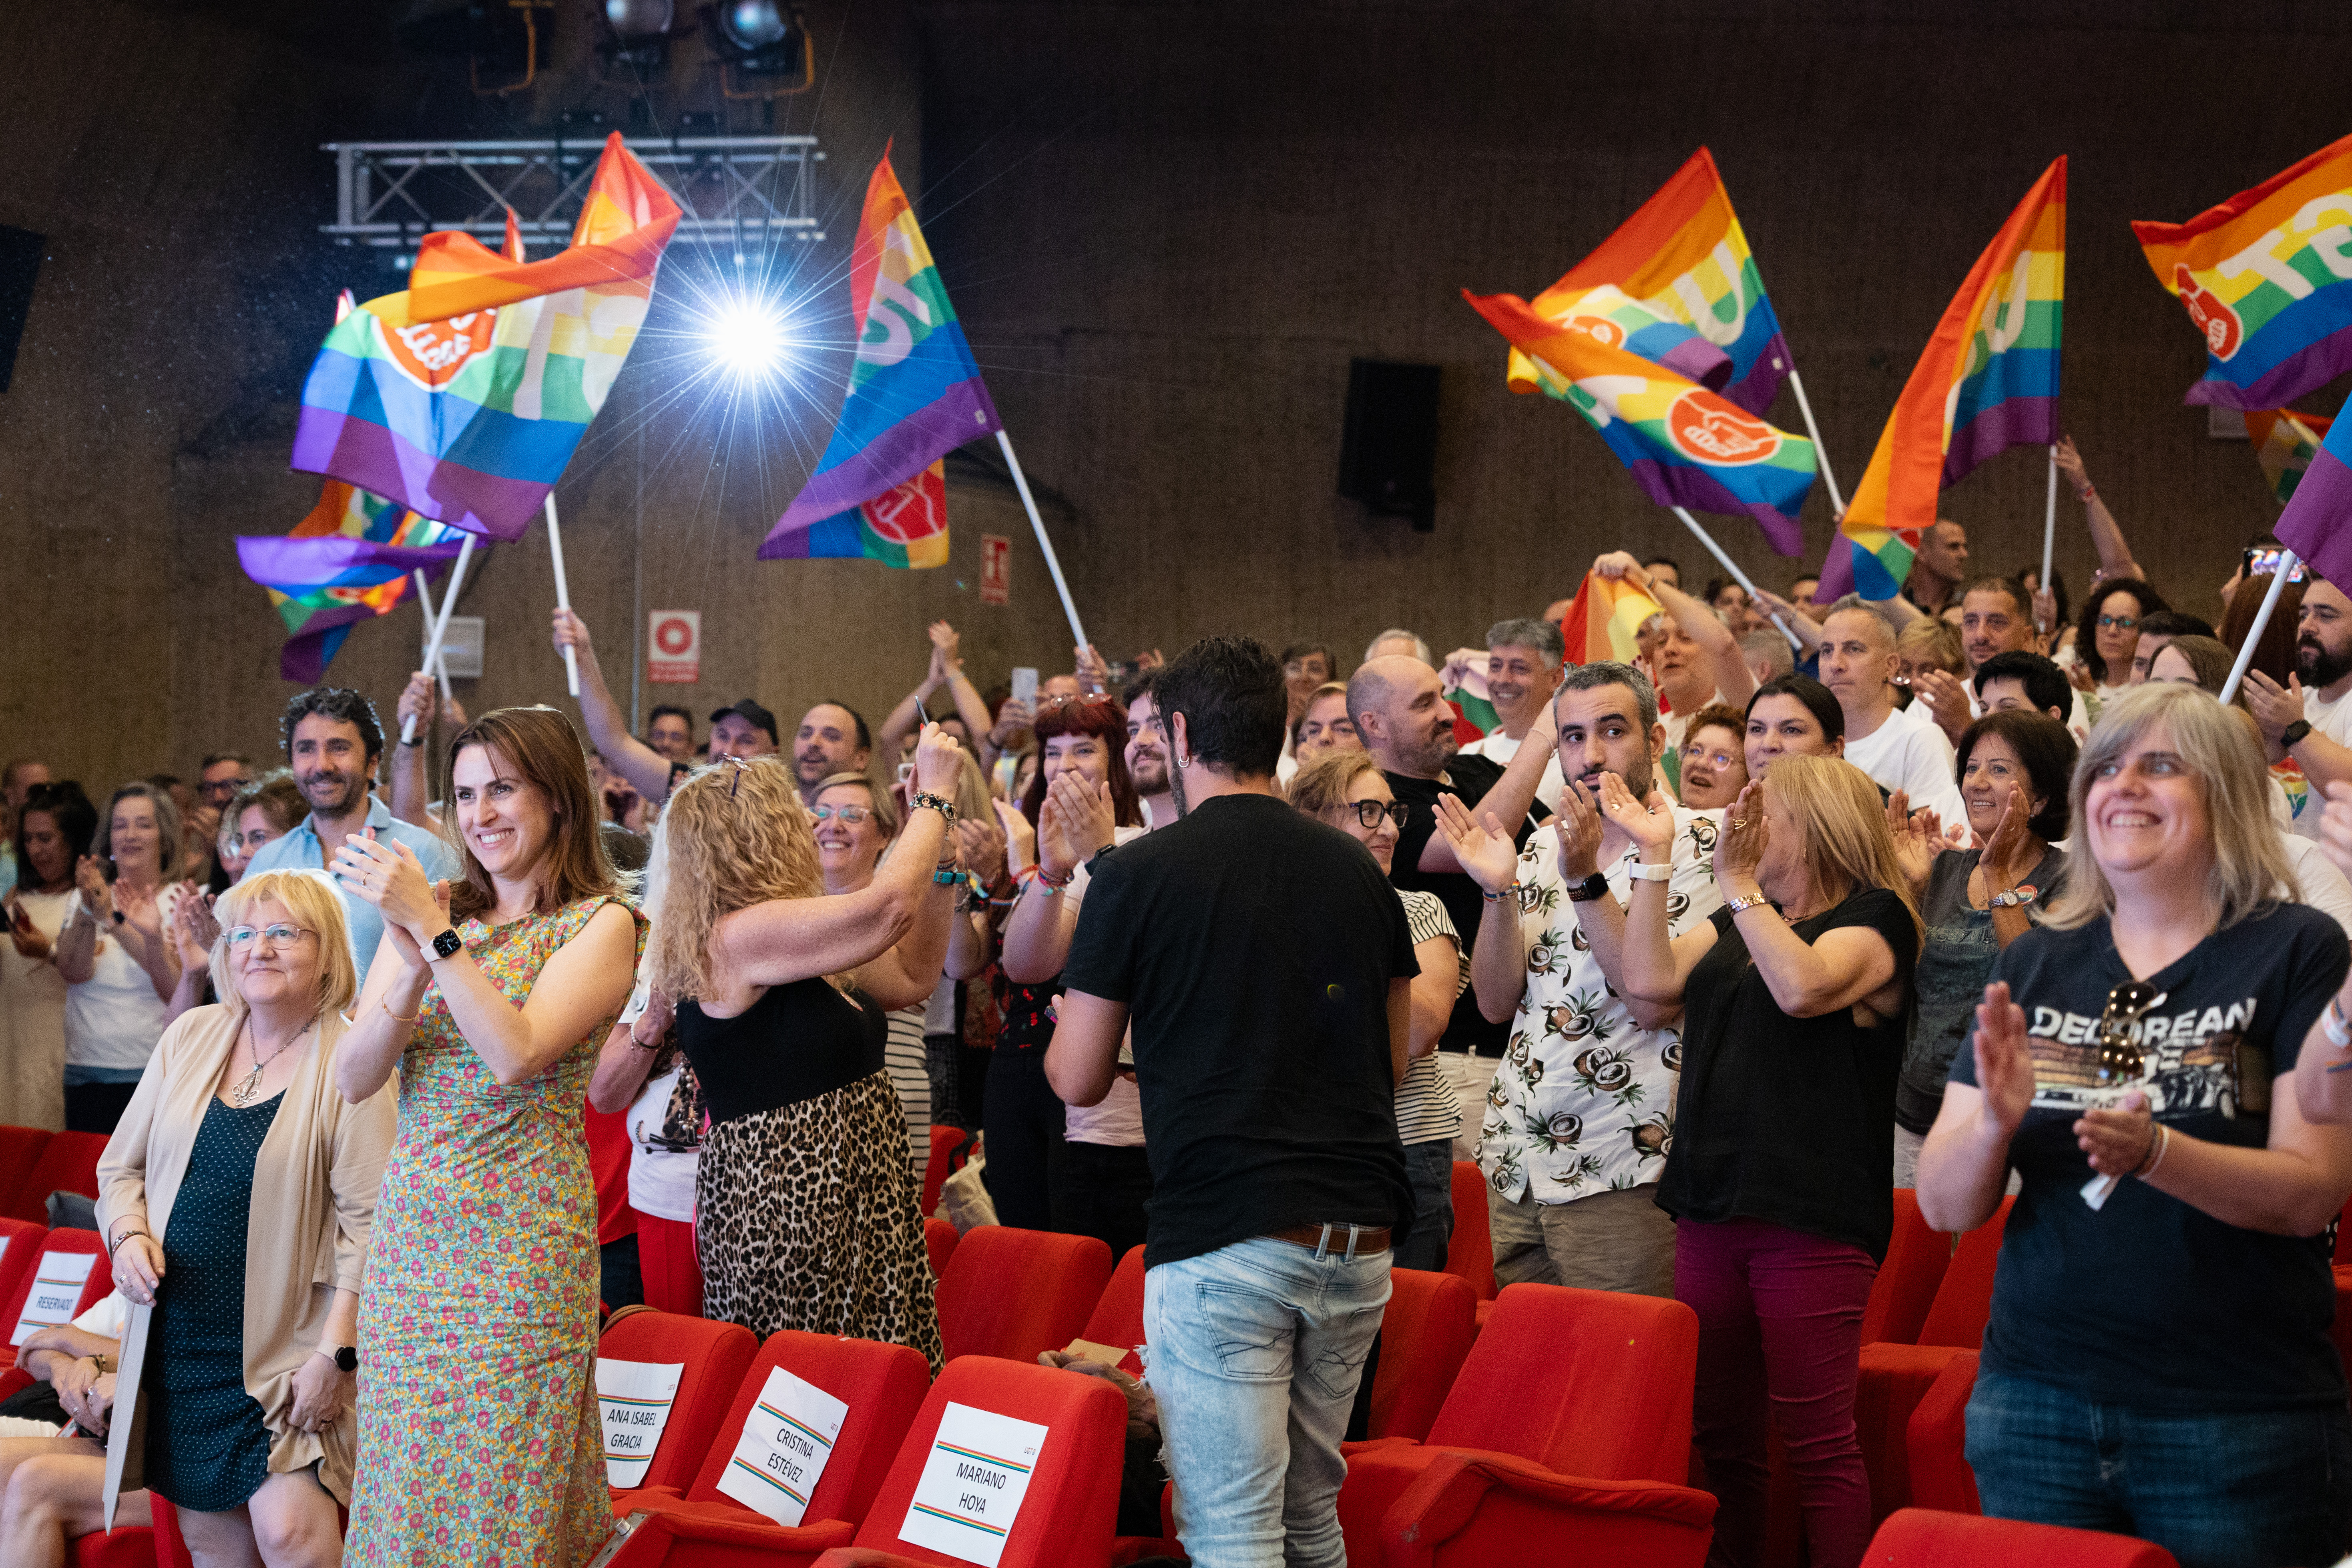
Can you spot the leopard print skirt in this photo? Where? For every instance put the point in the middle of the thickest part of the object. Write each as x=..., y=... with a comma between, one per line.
x=807, y=1218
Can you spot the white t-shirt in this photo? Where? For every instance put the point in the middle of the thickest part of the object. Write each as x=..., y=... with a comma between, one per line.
x=1118, y=1122
x=1910, y=752
x=106, y=1318
x=2333, y=720
x=1678, y=722
x=2324, y=887
x=114, y=1018
x=661, y=1181
x=1500, y=748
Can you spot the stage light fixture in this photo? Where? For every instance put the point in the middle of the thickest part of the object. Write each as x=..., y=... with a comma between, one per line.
x=760, y=38
x=639, y=32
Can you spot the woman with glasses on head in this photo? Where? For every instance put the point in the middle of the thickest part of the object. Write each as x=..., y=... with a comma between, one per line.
x=237, y=1198
x=1712, y=767
x=54, y=830
x=2107, y=634
x=2157, y=1362
x=1346, y=790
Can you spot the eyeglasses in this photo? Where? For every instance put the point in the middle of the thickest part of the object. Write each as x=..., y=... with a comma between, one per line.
x=1370, y=812
x=1698, y=753
x=850, y=815
x=2121, y=1061
x=275, y=935
x=2119, y=623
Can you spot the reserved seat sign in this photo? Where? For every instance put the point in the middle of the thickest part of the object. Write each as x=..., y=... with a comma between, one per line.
x=787, y=1440
x=637, y=1396
x=972, y=1484
x=58, y=1281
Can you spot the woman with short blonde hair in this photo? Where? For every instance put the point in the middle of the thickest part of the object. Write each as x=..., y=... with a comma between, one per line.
x=238, y=1196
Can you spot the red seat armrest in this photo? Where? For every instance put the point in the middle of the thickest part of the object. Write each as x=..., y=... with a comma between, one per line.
x=654, y=1532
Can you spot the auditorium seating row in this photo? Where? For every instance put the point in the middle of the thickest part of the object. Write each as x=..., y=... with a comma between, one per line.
x=34, y=1164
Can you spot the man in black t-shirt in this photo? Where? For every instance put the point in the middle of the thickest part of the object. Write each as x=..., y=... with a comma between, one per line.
x=1405, y=724
x=1265, y=965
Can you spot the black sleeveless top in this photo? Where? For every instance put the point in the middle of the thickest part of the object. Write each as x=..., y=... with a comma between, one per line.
x=795, y=1042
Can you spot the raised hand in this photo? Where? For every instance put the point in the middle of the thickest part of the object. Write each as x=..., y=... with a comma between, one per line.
x=2070, y=463
x=1947, y=698
x=1020, y=838
x=89, y=877
x=979, y=845
x=387, y=874
x=417, y=700
x=945, y=642
x=1621, y=564
x=572, y=632
x=2004, y=1059
x=939, y=761
x=1915, y=844
x=1084, y=815
x=1739, y=849
x=2004, y=848
x=1093, y=672
x=1484, y=851
x=1649, y=823
x=1011, y=720
x=2274, y=707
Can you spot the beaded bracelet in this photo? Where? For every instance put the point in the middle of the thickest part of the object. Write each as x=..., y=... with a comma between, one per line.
x=924, y=800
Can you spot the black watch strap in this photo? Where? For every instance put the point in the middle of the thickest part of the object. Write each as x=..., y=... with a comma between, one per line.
x=1591, y=888
x=2291, y=736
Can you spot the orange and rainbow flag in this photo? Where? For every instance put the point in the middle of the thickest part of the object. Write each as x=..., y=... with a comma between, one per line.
x=2285, y=443
x=1605, y=619
x=1988, y=381
x=2267, y=278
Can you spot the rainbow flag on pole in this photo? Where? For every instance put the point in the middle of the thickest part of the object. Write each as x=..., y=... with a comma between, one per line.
x=348, y=560
x=1686, y=446
x=2317, y=523
x=2267, y=278
x=1683, y=258
x=1988, y=381
x=1613, y=318
x=1605, y=619
x=463, y=396
x=2285, y=443
x=915, y=395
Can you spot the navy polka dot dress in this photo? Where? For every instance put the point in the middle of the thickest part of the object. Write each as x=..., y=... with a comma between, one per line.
x=206, y=1447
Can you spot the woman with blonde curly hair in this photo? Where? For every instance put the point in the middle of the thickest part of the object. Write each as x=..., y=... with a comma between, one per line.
x=805, y=1199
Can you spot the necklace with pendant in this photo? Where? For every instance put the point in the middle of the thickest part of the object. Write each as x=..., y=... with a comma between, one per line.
x=242, y=1095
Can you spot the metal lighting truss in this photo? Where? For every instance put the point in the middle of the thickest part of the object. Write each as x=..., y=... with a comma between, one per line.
x=745, y=193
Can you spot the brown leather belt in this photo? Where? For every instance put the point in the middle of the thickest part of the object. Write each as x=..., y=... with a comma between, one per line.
x=1350, y=1241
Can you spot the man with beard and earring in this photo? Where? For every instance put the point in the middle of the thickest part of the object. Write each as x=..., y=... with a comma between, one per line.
x=334, y=743
x=2308, y=720
x=1581, y=1116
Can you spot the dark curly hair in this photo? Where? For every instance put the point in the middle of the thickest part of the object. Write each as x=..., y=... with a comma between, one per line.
x=2087, y=627
x=339, y=703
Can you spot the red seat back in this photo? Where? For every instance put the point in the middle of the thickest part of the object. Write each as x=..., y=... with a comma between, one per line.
x=1471, y=1252
x=1072, y=1504
x=1964, y=1300
x=883, y=1385
x=1013, y=1293
x=1593, y=1383
x=1919, y=1538
x=950, y=1147
x=939, y=1240
x=1118, y=1318
x=68, y=1163
x=1905, y=1286
x=715, y=1354
x=22, y=1245
x=20, y=1149
x=1431, y=1320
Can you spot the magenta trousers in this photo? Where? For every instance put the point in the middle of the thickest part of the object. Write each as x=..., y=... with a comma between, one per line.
x=1779, y=1339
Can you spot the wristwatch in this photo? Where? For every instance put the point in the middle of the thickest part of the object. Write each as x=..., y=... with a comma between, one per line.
x=1596, y=886
x=345, y=1357
x=2291, y=736
x=2016, y=897
x=448, y=945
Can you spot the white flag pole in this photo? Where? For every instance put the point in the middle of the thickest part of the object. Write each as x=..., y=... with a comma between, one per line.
x=441, y=625
x=1736, y=574
x=2287, y=562
x=2050, y=520
x=562, y=593
x=424, y=602
x=1053, y=565
x=1814, y=431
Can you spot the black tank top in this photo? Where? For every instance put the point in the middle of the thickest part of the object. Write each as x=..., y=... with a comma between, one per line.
x=795, y=1042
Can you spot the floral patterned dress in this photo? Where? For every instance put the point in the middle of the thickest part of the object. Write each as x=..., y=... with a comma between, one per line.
x=478, y=1438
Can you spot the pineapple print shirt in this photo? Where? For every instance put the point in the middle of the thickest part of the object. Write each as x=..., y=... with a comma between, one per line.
x=1584, y=1100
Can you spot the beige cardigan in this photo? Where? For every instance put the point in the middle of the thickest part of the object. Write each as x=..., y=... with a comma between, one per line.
x=315, y=1182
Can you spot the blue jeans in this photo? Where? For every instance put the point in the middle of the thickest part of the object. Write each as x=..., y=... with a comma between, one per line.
x=2236, y=1489
x=1430, y=1167
x=1255, y=1350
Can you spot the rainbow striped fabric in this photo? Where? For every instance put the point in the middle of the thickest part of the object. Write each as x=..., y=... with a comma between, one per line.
x=1988, y=381
x=2267, y=278
x=2285, y=443
x=1611, y=315
x=1684, y=258
x=1686, y=446
x=2317, y=523
x=915, y=395
x=348, y=560
x=463, y=396
x=1605, y=619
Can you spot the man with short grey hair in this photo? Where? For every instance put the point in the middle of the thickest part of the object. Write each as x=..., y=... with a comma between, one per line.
x=1397, y=640
x=1899, y=747
x=1767, y=654
x=1523, y=660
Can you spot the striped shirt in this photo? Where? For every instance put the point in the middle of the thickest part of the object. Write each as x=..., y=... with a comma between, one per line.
x=1427, y=1109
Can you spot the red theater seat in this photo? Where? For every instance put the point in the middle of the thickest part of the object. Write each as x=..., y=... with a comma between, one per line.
x=124, y=1546
x=20, y=1244
x=55, y=1244
x=884, y=1386
x=715, y=1354
x=1431, y=1320
x=1118, y=1318
x=670, y=1267
x=68, y=1163
x=939, y=1240
x=950, y=1147
x=1936, y=1441
x=1904, y=1290
x=1471, y=1252
x=20, y=1149
x=1896, y=1377
x=1571, y=1414
x=1917, y=1538
x=1013, y=1293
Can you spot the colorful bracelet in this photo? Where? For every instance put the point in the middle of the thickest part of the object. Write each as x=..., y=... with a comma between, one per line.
x=923, y=800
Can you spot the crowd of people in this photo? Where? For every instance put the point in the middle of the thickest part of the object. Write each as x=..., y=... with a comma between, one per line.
x=412, y=1056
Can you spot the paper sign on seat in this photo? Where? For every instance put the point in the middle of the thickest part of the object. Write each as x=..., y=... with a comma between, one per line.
x=637, y=1396
x=972, y=1483
x=787, y=1439
x=58, y=1281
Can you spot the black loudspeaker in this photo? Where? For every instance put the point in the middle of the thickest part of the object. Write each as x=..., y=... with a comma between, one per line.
x=1388, y=449
x=20, y=259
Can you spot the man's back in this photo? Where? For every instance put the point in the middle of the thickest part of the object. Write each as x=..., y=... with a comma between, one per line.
x=1255, y=948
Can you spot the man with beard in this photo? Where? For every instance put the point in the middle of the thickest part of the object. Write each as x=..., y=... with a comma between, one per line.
x=1899, y=747
x=2309, y=719
x=1404, y=724
x=1579, y=1120
x=1523, y=660
x=332, y=744
x=831, y=739
x=1147, y=752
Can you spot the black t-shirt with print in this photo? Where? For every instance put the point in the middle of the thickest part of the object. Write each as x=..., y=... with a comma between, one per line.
x=1789, y=1120
x=1253, y=947
x=1468, y=779
x=2145, y=1300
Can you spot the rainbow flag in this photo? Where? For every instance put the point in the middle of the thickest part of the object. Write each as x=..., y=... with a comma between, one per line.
x=2267, y=278
x=463, y=396
x=915, y=395
x=1686, y=445
x=1988, y=381
x=1683, y=258
x=1605, y=619
x=347, y=560
x=2317, y=523
x=2285, y=443
x=1615, y=319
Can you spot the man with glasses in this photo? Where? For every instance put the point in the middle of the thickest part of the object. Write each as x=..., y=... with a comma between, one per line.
x=1580, y=1119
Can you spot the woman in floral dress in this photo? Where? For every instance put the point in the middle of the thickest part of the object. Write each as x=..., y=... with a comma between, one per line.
x=478, y=1441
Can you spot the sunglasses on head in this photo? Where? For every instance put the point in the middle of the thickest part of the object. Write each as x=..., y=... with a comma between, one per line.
x=2121, y=1060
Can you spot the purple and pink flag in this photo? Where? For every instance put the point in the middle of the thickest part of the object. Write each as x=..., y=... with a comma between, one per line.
x=2317, y=522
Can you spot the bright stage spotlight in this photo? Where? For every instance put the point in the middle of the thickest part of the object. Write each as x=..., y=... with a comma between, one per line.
x=747, y=335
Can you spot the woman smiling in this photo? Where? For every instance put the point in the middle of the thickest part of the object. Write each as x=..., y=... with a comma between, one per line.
x=116, y=953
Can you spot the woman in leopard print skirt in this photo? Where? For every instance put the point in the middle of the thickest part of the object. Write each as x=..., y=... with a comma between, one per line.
x=807, y=1202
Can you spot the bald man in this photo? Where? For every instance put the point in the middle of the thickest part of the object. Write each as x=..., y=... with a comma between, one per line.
x=1940, y=567
x=1899, y=747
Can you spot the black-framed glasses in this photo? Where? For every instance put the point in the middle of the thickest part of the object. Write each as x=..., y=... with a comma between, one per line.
x=850, y=815
x=2119, y=623
x=1370, y=812
x=2121, y=1060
